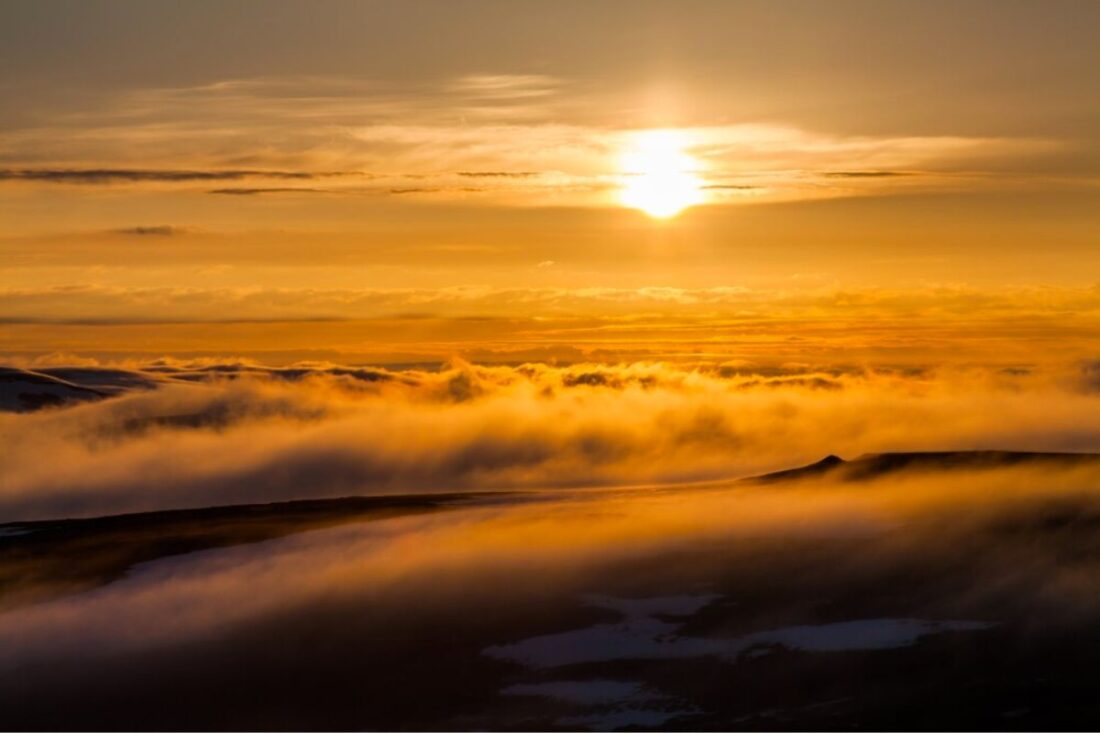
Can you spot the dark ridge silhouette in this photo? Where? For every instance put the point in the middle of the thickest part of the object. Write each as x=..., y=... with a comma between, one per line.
x=11, y=374
x=48, y=558
x=22, y=390
x=873, y=465
x=51, y=558
x=825, y=465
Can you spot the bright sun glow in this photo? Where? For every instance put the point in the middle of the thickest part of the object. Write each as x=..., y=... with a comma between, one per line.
x=660, y=176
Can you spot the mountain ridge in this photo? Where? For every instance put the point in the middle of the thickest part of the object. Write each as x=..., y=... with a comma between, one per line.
x=871, y=465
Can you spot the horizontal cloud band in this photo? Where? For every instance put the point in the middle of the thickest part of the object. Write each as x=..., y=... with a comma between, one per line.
x=184, y=435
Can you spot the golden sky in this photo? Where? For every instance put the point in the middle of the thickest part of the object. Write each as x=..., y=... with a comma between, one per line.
x=386, y=181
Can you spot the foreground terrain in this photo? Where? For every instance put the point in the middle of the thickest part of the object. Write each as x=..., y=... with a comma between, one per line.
x=886, y=592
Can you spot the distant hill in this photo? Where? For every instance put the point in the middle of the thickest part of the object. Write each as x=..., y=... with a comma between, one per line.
x=68, y=555
x=48, y=558
x=877, y=464
x=22, y=390
x=26, y=390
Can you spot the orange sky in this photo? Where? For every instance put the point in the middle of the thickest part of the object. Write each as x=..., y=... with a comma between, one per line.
x=404, y=165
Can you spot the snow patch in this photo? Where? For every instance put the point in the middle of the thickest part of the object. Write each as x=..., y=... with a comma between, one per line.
x=623, y=718
x=583, y=692
x=642, y=635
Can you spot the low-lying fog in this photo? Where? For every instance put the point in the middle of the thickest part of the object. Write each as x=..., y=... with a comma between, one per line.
x=198, y=435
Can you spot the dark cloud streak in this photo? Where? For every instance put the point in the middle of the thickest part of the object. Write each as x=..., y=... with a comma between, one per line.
x=161, y=230
x=261, y=191
x=867, y=174
x=103, y=176
x=499, y=174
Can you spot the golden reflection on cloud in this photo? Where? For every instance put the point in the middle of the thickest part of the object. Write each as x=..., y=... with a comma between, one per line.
x=660, y=177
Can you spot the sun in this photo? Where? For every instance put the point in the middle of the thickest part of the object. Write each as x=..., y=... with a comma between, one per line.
x=659, y=176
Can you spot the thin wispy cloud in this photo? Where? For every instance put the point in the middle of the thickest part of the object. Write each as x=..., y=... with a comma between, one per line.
x=495, y=127
x=249, y=191
x=866, y=174
x=160, y=230
x=92, y=176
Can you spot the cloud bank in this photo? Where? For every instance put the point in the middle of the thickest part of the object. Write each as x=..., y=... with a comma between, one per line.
x=222, y=432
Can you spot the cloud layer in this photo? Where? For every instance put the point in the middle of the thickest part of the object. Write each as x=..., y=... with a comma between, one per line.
x=222, y=433
x=525, y=139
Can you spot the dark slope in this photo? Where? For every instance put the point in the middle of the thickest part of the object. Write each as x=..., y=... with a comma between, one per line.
x=48, y=558
x=103, y=379
x=878, y=464
x=45, y=559
x=22, y=390
x=820, y=468
x=414, y=658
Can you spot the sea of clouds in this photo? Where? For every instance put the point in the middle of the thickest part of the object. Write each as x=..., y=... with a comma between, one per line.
x=175, y=434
